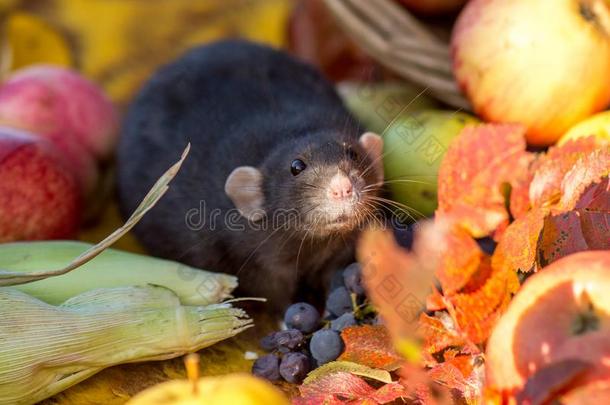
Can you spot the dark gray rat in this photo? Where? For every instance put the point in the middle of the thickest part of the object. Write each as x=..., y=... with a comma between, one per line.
x=279, y=179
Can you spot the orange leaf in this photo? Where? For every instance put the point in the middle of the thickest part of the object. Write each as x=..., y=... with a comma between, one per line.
x=517, y=249
x=477, y=312
x=589, y=170
x=371, y=346
x=461, y=373
x=460, y=260
x=435, y=301
x=473, y=172
x=437, y=336
x=423, y=389
x=550, y=170
x=395, y=280
x=596, y=197
x=573, y=231
x=520, y=194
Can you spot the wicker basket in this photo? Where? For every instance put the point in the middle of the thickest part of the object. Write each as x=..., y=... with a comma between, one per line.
x=401, y=43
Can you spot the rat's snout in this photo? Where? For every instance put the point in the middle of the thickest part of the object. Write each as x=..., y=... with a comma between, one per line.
x=340, y=188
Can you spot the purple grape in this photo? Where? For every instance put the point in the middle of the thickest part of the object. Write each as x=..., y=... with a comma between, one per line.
x=339, y=302
x=267, y=367
x=343, y=322
x=326, y=345
x=269, y=343
x=302, y=316
x=404, y=235
x=294, y=367
x=352, y=278
x=284, y=340
x=336, y=280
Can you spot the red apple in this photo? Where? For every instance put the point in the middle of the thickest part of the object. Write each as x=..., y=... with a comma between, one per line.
x=560, y=313
x=66, y=108
x=39, y=197
x=433, y=7
x=542, y=63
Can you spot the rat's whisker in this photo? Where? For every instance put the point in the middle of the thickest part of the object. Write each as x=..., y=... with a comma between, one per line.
x=396, y=204
x=401, y=207
x=370, y=211
x=381, y=183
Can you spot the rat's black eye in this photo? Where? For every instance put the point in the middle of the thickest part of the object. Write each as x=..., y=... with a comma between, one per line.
x=352, y=154
x=297, y=166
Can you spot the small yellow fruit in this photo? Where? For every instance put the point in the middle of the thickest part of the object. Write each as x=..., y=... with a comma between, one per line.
x=598, y=125
x=234, y=389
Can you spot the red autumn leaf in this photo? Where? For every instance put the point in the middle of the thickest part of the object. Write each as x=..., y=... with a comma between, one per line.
x=438, y=335
x=479, y=276
x=578, y=221
x=477, y=312
x=590, y=169
x=518, y=248
x=573, y=231
x=474, y=172
x=343, y=388
x=461, y=373
x=520, y=203
x=395, y=280
x=422, y=388
x=546, y=383
x=370, y=346
x=596, y=197
x=435, y=301
x=390, y=392
x=326, y=399
x=550, y=170
x=460, y=260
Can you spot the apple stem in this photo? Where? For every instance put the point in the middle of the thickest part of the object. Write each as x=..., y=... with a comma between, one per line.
x=191, y=362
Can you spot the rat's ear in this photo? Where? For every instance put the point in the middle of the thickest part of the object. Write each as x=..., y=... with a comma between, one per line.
x=373, y=145
x=244, y=188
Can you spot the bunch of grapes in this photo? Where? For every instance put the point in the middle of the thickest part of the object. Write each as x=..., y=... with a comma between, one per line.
x=311, y=340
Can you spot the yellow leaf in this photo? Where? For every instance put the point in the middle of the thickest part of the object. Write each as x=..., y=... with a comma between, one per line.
x=129, y=40
x=31, y=40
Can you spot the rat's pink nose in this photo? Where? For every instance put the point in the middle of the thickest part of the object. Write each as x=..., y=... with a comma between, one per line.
x=340, y=187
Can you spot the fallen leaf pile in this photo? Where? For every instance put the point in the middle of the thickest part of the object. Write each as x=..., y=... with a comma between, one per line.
x=441, y=300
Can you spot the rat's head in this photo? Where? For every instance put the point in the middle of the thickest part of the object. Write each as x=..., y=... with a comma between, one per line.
x=323, y=183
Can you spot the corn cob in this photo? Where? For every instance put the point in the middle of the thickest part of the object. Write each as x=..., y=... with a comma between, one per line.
x=112, y=268
x=45, y=349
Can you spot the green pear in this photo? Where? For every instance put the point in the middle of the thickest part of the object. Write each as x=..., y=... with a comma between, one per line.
x=414, y=146
x=377, y=105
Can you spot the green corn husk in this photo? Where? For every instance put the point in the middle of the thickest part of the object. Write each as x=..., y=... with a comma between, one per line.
x=112, y=268
x=45, y=349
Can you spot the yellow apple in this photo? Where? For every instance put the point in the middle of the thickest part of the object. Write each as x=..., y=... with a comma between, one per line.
x=597, y=125
x=234, y=389
x=542, y=63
